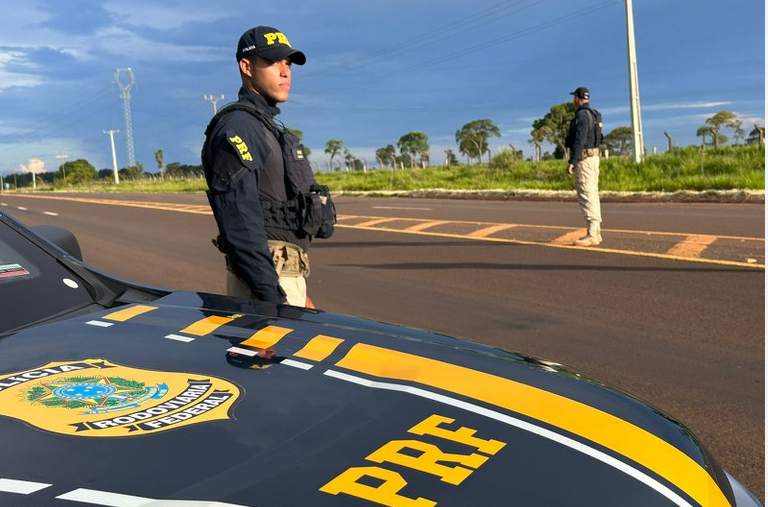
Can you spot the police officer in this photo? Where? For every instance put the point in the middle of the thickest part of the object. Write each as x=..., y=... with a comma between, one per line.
x=584, y=162
x=249, y=190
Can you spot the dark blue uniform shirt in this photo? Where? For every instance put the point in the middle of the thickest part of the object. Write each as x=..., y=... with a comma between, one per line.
x=239, y=157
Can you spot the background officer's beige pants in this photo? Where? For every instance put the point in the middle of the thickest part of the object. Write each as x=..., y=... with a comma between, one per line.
x=587, y=179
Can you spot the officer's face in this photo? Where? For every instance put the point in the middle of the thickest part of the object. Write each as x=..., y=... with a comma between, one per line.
x=271, y=80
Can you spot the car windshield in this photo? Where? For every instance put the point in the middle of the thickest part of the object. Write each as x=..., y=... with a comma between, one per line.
x=34, y=285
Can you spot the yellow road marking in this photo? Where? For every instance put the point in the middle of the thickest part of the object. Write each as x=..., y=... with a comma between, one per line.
x=568, y=238
x=377, y=221
x=481, y=234
x=692, y=246
x=588, y=422
x=493, y=229
x=427, y=225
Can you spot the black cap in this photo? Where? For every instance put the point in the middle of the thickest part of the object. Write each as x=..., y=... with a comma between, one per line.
x=581, y=93
x=269, y=43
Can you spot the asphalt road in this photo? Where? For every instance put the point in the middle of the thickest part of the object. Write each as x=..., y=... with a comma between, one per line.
x=669, y=308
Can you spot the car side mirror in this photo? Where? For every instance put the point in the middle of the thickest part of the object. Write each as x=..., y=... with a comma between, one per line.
x=62, y=238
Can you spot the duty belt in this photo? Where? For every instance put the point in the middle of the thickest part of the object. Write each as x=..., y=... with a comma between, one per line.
x=589, y=152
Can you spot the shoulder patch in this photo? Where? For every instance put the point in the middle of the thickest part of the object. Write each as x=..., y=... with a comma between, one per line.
x=240, y=146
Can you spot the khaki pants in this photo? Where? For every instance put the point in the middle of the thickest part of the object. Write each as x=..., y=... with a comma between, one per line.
x=292, y=266
x=587, y=178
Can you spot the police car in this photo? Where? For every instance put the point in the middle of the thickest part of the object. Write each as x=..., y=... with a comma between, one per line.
x=117, y=394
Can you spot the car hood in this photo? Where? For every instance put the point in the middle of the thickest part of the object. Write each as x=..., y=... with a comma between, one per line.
x=170, y=402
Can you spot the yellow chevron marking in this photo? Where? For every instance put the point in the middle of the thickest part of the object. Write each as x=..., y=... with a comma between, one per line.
x=207, y=325
x=319, y=348
x=692, y=246
x=267, y=337
x=129, y=313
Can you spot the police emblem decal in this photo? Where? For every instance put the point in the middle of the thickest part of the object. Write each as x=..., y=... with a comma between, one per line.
x=97, y=398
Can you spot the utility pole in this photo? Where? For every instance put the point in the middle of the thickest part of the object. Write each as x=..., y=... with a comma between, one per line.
x=61, y=156
x=114, y=157
x=214, y=100
x=634, y=92
x=125, y=93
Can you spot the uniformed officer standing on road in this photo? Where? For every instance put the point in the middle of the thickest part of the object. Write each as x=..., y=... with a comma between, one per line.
x=259, y=183
x=583, y=143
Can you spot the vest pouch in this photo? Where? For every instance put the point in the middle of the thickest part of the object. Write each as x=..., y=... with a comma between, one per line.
x=319, y=213
x=311, y=213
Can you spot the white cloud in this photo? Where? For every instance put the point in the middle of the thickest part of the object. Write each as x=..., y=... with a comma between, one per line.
x=35, y=165
x=10, y=79
x=165, y=17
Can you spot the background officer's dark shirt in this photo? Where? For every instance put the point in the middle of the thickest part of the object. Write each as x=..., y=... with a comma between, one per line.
x=579, y=133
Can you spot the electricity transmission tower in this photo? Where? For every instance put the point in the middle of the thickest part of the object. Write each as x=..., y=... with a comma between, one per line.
x=125, y=93
x=213, y=100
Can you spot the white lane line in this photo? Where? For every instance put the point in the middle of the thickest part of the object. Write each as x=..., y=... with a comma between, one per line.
x=22, y=208
x=21, y=487
x=401, y=207
x=50, y=213
x=520, y=424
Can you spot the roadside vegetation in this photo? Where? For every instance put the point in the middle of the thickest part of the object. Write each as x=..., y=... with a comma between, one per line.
x=740, y=167
x=405, y=165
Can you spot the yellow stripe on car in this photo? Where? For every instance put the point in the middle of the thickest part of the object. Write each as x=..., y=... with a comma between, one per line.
x=588, y=422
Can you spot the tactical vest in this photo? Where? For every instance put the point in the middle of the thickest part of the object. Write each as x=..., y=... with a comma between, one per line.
x=309, y=207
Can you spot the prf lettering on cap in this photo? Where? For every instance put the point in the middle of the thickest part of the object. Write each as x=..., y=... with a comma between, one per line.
x=242, y=148
x=276, y=36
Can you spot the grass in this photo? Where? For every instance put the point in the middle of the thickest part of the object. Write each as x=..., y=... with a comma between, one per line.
x=730, y=168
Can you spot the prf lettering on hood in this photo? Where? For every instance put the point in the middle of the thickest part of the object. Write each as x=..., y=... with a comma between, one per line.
x=419, y=456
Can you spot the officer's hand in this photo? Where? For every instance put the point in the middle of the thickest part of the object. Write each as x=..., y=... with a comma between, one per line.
x=570, y=169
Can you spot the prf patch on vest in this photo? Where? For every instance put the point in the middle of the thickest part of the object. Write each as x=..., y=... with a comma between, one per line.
x=240, y=147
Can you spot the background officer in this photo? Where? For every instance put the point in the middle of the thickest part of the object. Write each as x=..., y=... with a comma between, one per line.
x=584, y=162
x=248, y=188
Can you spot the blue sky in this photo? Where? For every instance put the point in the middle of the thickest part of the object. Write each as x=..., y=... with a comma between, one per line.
x=375, y=71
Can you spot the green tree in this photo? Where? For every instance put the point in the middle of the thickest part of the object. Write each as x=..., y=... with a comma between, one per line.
x=414, y=144
x=333, y=147
x=78, y=171
x=386, y=156
x=159, y=160
x=133, y=172
x=720, y=120
x=715, y=138
x=473, y=137
x=619, y=141
x=756, y=135
x=450, y=158
x=553, y=127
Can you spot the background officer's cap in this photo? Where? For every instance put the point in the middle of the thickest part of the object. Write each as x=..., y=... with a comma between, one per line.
x=581, y=93
x=267, y=42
